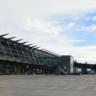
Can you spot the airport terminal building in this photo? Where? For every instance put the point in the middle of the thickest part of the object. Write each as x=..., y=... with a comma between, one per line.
x=19, y=58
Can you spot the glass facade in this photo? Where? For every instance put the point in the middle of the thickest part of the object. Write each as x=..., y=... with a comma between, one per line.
x=12, y=50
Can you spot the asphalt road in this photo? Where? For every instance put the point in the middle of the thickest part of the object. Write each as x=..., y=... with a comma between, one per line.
x=47, y=85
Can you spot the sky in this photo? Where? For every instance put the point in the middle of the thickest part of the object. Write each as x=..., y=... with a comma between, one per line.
x=65, y=27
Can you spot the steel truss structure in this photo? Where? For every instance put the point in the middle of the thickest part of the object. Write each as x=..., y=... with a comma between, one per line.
x=14, y=51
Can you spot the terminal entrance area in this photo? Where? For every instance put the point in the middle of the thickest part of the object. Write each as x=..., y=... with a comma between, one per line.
x=9, y=68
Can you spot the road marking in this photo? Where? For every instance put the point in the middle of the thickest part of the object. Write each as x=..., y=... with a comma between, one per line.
x=10, y=87
x=87, y=79
x=5, y=87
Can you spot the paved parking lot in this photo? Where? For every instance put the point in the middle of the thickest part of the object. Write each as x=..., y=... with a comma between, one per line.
x=47, y=85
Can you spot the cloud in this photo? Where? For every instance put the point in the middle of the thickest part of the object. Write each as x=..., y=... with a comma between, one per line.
x=39, y=26
x=94, y=18
x=44, y=9
x=71, y=24
x=91, y=28
x=85, y=54
x=35, y=21
x=77, y=41
x=88, y=18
